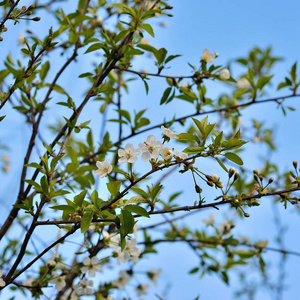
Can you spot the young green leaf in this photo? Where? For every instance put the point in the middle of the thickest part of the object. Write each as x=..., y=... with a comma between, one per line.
x=137, y=210
x=234, y=157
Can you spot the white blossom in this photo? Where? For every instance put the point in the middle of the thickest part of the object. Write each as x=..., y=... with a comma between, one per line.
x=111, y=240
x=21, y=39
x=215, y=178
x=70, y=294
x=6, y=166
x=121, y=282
x=51, y=263
x=150, y=148
x=153, y=275
x=128, y=154
x=130, y=250
x=135, y=230
x=243, y=83
x=210, y=221
x=58, y=280
x=2, y=282
x=169, y=133
x=225, y=74
x=166, y=152
x=207, y=56
x=181, y=155
x=104, y=168
x=142, y=289
x=29, y=281
x=84, y=287
x=91, y=265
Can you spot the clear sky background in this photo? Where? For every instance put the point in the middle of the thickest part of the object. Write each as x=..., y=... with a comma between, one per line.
x=230, y=28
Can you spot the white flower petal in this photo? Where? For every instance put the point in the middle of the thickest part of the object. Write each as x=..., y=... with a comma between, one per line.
x=122, y=159
x=145, y=156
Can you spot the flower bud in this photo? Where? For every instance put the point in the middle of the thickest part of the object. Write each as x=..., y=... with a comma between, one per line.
x=261, y=177
x=24, y=7
x=236, y=201
x=255, y=177
x=198, y=189
x=224, y=74
x=236, y=176
x=215, y=178
x=246, y=215
x=231, y=172
x=255, y=172
x=1, y=39
x=210, y=183
x=255, y=203
x=219, y=184
x=295, y=164
x=271, y=180
x=36, y=19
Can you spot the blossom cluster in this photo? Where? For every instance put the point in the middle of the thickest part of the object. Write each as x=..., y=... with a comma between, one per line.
x=209, y=57
x=150, y=149
x=130, y=250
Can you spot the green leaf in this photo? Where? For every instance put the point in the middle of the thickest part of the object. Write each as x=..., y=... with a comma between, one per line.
x=165, y=96
x=148, y=28
x=221, y=164
x=66, y=208
x=137, y=210
x=127, y=222
x=188, y=93
x=193, y=150
x=140, y=192
x=87, y=74
x=234, y=157
x=171, y=57
x=81, y=5
x=58, y=89
x=125, y=114
x=201, y=124
x=219, y=139
x=94, y=47
x=233, y=143
x=33, y=183
x=194, y=270
x=147, y=47
x=137, y=199
x=160, y=55
x=187, y=136
x=244, y=253
x=146, y=86
x=44, y=70
x=79, y=198
x=293, y=72
x=34, y=165
x=44, y=185
x=262, y=81
x=86, y=221
x=128, y=10
x=114, y=187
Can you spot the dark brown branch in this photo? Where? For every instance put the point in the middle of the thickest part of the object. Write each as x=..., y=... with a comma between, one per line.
x=218, y=110
x=22, y=195
x=143, y=75
x=9, y=12
x=46, y=250
x=12, y=89
x=222, y=243
x=171, y=210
